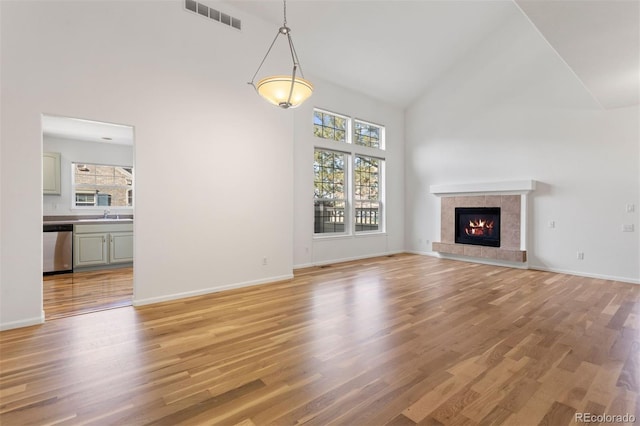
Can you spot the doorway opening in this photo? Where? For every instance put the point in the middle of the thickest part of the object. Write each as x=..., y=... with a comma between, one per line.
x=87, y=215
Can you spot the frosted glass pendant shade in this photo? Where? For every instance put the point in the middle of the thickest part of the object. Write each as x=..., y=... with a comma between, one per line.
x=276, y=89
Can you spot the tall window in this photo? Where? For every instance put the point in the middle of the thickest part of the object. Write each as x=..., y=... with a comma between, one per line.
x=367, y=193
x=96, y=185
x=348, y=179
x=329, y=191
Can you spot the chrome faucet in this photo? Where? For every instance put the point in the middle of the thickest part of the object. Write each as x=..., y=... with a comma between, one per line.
x=106, y=213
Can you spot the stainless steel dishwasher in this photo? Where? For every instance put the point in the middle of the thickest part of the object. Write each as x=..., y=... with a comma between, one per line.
x=57, y=244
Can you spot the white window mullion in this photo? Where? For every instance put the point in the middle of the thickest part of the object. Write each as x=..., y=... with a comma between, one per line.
x=349, y=196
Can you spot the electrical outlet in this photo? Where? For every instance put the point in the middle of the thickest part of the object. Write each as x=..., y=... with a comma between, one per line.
x=552, y=224
x=264, y=261
x=580, y=255
x=628, y=228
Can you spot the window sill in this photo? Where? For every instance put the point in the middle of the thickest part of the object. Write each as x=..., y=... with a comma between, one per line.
x=320, y=237
x=369, y=234
x=101, y=208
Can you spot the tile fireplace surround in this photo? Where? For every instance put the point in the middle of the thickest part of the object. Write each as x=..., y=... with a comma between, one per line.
x=512, y=247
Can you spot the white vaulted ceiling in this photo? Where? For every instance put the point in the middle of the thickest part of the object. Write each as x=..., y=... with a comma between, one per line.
x=396, y=50
x=599, y=40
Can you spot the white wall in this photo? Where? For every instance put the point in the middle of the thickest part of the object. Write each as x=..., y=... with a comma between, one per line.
x=79, y=151
x=313, y=251
x=513, y=110
x=180, y=80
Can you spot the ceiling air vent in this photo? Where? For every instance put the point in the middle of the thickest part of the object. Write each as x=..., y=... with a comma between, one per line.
x=213, y=14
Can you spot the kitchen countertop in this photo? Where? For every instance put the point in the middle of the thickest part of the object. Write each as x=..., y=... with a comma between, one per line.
x=84, y=220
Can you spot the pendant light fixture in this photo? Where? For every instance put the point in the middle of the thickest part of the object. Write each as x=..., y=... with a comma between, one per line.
x=286, y=91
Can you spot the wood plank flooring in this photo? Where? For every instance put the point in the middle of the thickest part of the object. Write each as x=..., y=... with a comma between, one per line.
x=89, y=291
x=399, y=340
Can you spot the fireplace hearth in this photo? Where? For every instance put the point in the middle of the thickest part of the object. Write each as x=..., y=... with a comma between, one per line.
x=477, y=226
x=509, y=242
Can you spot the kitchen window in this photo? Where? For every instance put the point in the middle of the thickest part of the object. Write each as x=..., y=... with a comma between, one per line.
x=348, y=177
x=99, y=185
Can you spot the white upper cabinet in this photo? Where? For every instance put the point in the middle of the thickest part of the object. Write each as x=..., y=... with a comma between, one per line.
x=51, y=173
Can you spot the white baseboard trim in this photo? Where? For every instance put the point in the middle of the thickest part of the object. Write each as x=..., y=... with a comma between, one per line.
x=303, y=265
x=23, y=323
x=586, y=274
x=516, y=265
x=346, y=259
x=534, y=267
x=423, y=253
x=176, y=296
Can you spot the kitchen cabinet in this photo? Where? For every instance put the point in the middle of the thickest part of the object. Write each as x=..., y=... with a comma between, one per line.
x=102, y=244
x=51, y=173
x=90, y=249
x=121, y=247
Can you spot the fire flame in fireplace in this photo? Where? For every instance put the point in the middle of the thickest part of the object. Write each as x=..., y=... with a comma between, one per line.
x=479, y=228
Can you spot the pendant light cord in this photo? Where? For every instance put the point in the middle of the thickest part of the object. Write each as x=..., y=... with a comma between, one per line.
x=294, y=57
x=285, y=12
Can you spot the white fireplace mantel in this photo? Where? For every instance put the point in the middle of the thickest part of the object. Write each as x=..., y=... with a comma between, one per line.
x=510, y=186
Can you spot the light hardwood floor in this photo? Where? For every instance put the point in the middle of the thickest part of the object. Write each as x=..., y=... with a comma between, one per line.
x=82, y=292
x=393, y=340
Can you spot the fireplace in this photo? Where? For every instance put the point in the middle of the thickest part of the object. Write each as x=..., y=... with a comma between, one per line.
x=478, y=226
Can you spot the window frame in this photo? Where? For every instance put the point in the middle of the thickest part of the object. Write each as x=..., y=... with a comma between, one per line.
x=379, y=200
x=381, y=136
x=95, y=206
x=86, y=194
x=351, y=151
x=346, y=190
x=348, y=127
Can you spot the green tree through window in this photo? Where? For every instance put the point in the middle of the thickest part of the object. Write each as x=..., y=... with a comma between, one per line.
x=329, y=126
